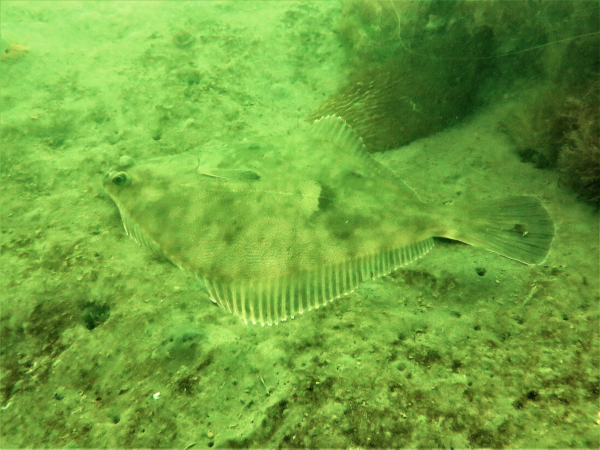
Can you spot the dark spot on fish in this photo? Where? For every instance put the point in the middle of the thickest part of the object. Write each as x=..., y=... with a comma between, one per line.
x=326, y=198
x=519, y=228
x=343, y=227
x=354, y=174
x=249, y=175
x=232, y=232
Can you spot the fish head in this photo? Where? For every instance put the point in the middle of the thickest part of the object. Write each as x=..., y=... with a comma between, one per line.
x=118, y=178
x=151, y=184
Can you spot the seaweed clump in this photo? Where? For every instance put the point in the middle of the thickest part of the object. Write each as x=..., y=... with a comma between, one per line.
x=579, y=159
x=560, y=130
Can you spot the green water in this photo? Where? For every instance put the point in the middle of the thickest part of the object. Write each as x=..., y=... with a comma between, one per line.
x=104, y=345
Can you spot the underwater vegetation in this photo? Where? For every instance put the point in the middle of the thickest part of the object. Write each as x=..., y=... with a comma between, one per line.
x=415, y=68
x=556, y=125
x=408, y=97
x=399, y=88
x=579, y=161
x=560, y=130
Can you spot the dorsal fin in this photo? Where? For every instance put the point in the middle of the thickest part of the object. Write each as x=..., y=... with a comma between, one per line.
x=335, y=130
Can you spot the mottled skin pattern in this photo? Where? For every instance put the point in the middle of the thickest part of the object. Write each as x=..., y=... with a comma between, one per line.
x=273, y=208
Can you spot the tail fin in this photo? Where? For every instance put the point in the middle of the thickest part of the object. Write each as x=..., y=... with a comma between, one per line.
x=516, y=227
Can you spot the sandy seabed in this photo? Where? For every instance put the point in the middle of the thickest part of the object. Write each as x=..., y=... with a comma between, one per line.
x=105, y=345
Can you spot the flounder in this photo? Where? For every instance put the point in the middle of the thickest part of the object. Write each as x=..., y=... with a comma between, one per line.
x=287, y=224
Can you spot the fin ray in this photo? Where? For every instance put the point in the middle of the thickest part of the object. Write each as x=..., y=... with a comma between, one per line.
x=277, y=299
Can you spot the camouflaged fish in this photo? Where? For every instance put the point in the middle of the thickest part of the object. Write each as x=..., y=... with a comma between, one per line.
x=284, y=225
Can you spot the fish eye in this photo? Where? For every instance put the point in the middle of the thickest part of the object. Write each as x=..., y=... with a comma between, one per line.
x=120, y=179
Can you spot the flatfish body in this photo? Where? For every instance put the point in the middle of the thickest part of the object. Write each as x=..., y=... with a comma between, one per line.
x=283, y=225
